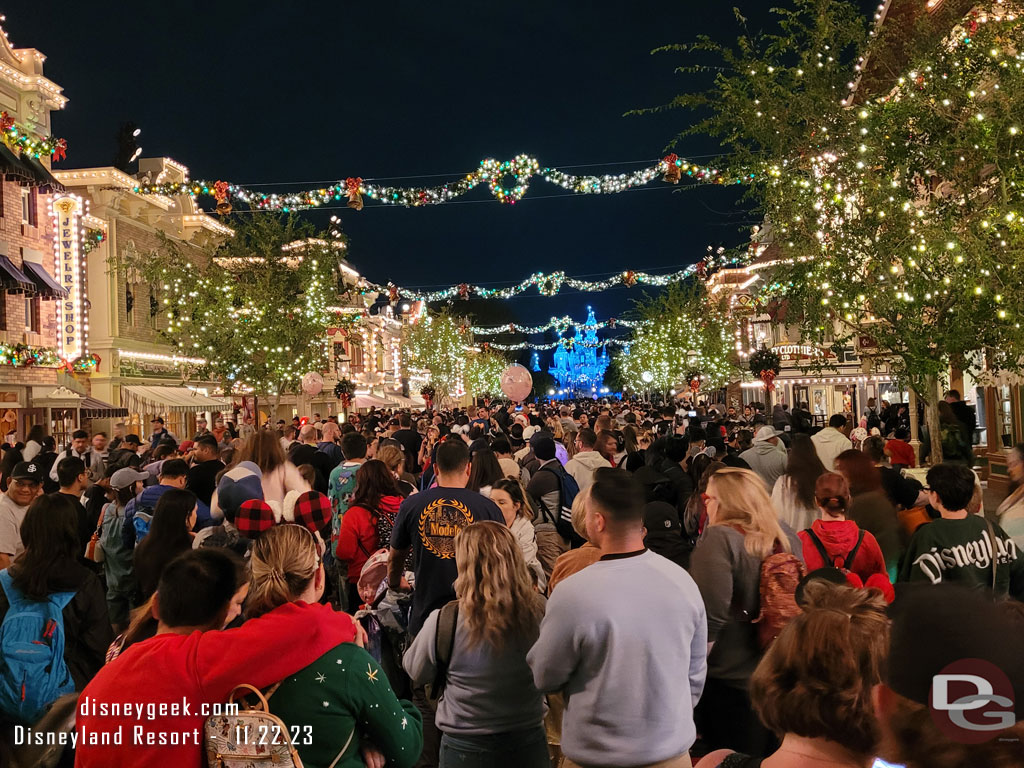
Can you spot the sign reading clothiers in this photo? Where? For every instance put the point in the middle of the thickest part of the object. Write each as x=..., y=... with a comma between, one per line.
x=72, y=326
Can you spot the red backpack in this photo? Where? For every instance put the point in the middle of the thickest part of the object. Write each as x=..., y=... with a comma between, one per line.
x=781, y=572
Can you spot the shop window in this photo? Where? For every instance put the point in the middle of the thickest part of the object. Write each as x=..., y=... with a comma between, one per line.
x=357, y=365
x=33, y=321
x=28, y=207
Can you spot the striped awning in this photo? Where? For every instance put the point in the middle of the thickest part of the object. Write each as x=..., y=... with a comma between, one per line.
x=372, y=401
x=91, y=408
x=156, y=400
x=46, y=286
x=13, y=279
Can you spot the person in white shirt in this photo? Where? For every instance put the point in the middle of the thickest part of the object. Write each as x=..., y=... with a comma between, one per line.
x=79, y=449
x=615, y=633
x=587, y=460
x=26, y=483
x=832, y=440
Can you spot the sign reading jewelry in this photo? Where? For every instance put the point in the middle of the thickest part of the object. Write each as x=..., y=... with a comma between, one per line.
x=70, y=270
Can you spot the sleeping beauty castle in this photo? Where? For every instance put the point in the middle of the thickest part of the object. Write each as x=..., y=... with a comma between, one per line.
x=580, y=360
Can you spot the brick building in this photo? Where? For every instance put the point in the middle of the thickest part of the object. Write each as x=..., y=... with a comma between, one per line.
x=30, y=296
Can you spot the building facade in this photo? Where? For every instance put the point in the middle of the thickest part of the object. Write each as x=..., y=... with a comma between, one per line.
x=135, y=369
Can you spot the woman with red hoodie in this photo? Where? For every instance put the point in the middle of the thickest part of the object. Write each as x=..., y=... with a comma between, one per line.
x=835, y=542
x=367, y=524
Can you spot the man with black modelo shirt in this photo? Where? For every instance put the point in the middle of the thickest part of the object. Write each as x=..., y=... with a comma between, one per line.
x=428, y=522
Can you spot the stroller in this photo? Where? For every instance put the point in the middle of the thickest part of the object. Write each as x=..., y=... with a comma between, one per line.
x=385, y=619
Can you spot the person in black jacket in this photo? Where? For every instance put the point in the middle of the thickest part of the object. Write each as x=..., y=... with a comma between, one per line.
x=50, y=563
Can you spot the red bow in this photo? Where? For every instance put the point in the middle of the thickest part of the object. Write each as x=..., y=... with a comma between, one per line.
x=671, y=159
x=60, y=150
x=220, y=191
x=352, y=184
x=6, y=121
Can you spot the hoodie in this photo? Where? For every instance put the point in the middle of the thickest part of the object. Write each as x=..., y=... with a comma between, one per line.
x=829, y=443
x=839, y=537
x=582, y=466
x=767, y=460
x=358, y=537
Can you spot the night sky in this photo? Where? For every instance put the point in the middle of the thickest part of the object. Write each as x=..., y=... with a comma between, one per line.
x=275, y=93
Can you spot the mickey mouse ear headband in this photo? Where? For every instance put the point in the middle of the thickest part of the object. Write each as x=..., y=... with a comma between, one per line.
x=310, y=509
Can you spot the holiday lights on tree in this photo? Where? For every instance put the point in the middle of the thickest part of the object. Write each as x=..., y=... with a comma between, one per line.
x=246, y=312
x=896, y=208
x=686, y=332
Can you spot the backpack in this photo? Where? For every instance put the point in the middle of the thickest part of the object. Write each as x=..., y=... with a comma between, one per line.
x=568, y=490
x=251, y=736
x=33, y=673
x=444, y=647
x=844, y=566
x=781, y=572
x=141, y=521
x=874, y=420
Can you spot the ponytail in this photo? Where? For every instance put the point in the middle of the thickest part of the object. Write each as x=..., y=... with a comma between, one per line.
x=283, y=561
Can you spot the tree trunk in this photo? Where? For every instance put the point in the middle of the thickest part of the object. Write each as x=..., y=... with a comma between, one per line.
x=931, y=418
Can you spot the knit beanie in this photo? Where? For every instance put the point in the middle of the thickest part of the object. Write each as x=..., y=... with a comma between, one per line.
x=239, y=484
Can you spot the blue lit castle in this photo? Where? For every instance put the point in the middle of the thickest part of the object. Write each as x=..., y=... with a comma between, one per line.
x=578, y=367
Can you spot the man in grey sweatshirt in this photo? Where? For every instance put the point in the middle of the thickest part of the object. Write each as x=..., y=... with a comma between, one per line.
x=625, y=640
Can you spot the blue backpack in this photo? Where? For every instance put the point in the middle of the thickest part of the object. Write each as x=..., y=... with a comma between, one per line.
x=141, y=521
x=33, y=673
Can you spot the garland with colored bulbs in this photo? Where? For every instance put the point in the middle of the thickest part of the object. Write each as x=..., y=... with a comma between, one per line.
x=492, y=173
x=20, y=138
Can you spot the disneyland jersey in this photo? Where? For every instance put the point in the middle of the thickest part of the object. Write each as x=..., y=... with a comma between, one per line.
x=428, y=522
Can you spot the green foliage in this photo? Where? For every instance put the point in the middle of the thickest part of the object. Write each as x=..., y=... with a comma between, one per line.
x=686, y=330
x=255, y=313
x=897, y=218
x=441, y=345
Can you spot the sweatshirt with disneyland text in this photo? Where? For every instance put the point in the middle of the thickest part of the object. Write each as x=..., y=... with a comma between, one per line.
x=962, y=551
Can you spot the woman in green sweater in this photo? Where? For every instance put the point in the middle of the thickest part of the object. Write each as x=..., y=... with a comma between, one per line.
x=340, y=708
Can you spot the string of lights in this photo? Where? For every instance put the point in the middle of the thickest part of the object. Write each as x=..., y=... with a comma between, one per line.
x=567, y=343
x=558, y=324
x=507, y=180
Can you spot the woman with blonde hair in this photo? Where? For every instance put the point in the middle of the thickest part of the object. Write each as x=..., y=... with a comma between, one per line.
x=575, y=560
x=394, y=459
x=342, y=702
x=263, y=448
x=813, y=686
x=490, y=712
x=742, y=530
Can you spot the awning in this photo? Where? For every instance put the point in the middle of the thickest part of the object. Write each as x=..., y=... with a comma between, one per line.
x=12, y=168
x=139, y=399
x=42, y=178
x=12, y=278
x=408, y=402
x=371, y=401
x=45, y=285
x=91, y=408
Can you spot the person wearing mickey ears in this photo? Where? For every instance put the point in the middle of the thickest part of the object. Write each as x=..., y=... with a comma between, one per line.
x=340, y=705
x=26, y=483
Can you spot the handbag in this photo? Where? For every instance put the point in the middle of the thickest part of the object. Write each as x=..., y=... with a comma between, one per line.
x=94, y=549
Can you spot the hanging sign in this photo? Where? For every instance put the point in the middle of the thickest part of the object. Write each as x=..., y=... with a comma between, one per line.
x=72, y=326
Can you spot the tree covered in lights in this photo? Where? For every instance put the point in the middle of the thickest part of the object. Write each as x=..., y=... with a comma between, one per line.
x=251, y=310
x=889, y=166
x=683, y=331
x=440, y=346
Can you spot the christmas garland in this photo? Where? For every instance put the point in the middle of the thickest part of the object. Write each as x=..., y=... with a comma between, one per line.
x=17, y=137
x=492, y=173
x=344, y=390
x=766, y=364
x=93, y=237
x=549, y=284
x=558, y=324
x=23, y=356
x=428, y=391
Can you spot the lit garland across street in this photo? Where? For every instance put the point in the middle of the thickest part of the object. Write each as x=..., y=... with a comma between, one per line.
x=491, y=172
x=558, y=324
x=567, y=343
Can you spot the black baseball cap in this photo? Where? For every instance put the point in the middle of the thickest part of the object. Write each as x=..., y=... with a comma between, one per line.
x=134, y=439
x=27, y=470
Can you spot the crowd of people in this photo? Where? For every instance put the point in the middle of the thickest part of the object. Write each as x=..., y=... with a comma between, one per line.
x=734, y=588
